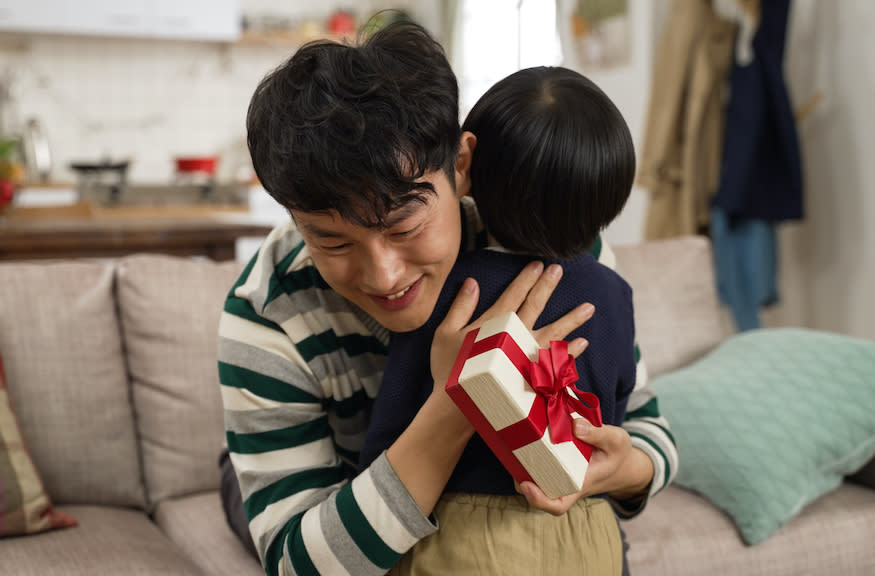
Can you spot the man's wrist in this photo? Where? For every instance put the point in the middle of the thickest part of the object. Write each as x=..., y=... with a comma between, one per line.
x=638, y=471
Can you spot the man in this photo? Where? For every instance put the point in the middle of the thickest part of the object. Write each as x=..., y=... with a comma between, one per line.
x=362, y=145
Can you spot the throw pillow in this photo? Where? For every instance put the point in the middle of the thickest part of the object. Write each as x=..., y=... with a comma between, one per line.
x=24, y=506
x=771, y=420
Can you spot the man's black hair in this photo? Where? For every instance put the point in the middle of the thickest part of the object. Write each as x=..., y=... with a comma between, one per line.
x=351, y=128
x=554, y=161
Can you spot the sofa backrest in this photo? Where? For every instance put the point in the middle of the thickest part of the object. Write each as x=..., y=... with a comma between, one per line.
x=62, y=351
x=136, y=428
x=678, y=317
x=169, y=309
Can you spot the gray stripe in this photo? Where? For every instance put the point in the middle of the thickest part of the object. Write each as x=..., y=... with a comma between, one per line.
x=349, y=433
x=374, y=327
x=341, y=543
x=398, y=499
x=309, y=299
x=269, y=364
x=267, y=419
x=360, y=370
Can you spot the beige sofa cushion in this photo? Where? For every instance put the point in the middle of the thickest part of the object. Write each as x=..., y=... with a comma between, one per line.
x=62, y=353
x=111, y=541
x=678, y=316
x=169, y=309
x=197, y=525
x=682, y=534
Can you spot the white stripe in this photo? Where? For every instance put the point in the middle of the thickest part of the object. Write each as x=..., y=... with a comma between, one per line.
x=387, y=526
x=640, y=375
x=252, y=334
x=310, y=455
x=317, y=547
x=658, y=464
x=341, y=386
x=242, y=400
x=657, y=435
x=316, y=321
x=303, y=258
x=277, y=514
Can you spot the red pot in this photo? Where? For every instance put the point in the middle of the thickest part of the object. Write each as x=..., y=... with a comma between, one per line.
x=201, y=164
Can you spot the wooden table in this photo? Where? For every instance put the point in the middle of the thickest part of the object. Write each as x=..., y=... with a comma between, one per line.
x=87, y=231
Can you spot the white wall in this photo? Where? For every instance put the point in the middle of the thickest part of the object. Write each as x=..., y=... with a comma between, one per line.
x=828, y=260
x=149, y=100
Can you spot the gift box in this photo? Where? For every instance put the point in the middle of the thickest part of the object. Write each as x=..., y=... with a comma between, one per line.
x=520, y=399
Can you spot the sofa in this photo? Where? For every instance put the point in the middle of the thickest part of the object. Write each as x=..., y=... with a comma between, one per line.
x=110, y=367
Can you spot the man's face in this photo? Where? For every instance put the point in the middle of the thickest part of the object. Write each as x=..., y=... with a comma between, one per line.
x=395, y=274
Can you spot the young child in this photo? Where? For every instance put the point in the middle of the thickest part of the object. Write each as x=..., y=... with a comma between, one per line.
x=553, y=165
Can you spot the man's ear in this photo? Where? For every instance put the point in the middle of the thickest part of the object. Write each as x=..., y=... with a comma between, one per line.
x=467, y=143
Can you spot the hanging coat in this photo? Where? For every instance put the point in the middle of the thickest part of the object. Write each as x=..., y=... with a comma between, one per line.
x=680, y=163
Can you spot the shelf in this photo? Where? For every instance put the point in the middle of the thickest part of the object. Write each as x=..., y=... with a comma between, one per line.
x=287, y=37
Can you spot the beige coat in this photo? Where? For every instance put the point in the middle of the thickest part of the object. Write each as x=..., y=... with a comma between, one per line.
x=680, y=164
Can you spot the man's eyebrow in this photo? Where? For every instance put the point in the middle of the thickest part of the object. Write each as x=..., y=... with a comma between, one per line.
x=403, y=213
x=315, y=230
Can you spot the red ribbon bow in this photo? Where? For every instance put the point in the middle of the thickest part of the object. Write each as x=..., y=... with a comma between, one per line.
x=554, y=371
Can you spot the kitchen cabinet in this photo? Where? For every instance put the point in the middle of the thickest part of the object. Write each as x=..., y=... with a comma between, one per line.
x=213, y=20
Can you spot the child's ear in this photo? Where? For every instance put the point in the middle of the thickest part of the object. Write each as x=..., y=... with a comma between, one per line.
x=467, y=143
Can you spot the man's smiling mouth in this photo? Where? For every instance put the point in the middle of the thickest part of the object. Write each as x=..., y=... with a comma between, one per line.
x=398, y=294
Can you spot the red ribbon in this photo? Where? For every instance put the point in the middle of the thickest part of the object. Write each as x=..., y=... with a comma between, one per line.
x=550, y=376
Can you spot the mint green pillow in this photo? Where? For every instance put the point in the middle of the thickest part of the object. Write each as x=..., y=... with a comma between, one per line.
x=771, y=420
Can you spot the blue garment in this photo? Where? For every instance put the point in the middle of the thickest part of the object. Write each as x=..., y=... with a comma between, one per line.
x=760, y=175
x=606, y=368
x=746, y=266
x=761, y=172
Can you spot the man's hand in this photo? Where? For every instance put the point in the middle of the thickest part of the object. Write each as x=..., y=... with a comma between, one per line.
x=615, y=467
x=526, y=295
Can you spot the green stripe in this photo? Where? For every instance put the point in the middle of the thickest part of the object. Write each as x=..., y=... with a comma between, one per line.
x=350, y=455
x=302, y=279
x=242, y=308
x=667, y=474
x=297, y=552
x=275, y=287
x=596, y=249
x=261, y=385
x=283, y=438
x=637, y=354
x=648, y=410
x=291, y=485
x=328, y=342
x=362, y=533
x=301, y=562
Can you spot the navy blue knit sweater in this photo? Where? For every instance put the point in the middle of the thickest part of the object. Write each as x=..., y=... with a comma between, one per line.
x=606, y=368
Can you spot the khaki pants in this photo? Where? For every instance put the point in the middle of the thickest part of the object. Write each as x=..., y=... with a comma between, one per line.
x=487, y=534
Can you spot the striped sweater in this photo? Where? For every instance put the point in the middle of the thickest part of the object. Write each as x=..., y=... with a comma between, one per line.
x=299, y=367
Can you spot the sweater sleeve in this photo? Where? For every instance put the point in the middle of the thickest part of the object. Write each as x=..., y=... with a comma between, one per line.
x=305, y=515
x=647, y=428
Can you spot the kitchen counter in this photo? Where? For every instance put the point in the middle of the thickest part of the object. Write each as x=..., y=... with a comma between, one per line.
x=83, y=230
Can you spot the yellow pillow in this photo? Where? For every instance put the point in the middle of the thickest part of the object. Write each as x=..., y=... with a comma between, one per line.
x=25, y=507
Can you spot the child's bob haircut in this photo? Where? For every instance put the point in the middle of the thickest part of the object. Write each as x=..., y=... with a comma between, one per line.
x=554, y=161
